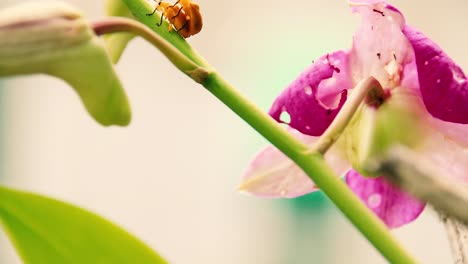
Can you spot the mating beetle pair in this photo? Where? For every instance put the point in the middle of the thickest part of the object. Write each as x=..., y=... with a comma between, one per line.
x=184, y=16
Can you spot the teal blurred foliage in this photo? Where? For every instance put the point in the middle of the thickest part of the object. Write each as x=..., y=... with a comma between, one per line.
x=315, y=202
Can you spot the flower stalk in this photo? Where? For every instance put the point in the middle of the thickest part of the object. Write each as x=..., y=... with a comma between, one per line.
x=181, y=61
x=315, y=167
x=313, y=164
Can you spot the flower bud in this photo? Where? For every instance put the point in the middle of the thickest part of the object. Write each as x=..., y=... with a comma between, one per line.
x=54, y=38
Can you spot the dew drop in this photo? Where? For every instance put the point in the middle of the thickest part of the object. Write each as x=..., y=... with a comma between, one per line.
x=374, y=200
x=438, y=81
x=426, y=63
x=307, y=127
x=285, y=117
x=458, y=76
x=308, y=90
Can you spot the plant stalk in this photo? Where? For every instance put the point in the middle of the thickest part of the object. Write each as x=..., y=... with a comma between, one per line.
x=313, y=164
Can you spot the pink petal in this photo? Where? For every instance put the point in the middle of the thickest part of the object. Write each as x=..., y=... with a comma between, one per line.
x=443, y=83
x=272, y=174
x=326, y=79
x=366, y=2
x=383, y=3
x=380, y=49
x=394, y=207
x=448, y=155
x=453, y=131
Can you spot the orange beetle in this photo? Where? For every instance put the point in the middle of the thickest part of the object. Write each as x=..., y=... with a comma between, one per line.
x=184, y=16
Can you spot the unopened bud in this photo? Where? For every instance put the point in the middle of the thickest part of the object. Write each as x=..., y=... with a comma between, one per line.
x=54, y=38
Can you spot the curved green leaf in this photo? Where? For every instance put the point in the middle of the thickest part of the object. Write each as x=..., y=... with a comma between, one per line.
x=45, y=230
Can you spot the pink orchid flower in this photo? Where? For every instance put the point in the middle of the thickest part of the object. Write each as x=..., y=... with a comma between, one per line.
x=426, y=110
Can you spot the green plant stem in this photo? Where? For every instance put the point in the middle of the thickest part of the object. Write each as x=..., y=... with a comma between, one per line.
x=312, y=164
x=120, y=24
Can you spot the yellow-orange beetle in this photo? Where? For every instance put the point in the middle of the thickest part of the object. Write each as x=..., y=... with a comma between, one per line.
x=184, y=16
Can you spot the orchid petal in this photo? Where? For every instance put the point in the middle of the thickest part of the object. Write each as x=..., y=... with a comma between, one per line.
x=382, y=3
x=393, y=206
x=453, y=131
x=272, y=174
x=443, y=84
x=449, y=156
x=380, y=49
x=302, y=98
x=365, y=2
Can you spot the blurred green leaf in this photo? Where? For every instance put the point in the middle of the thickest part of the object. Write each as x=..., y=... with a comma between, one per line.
x=44, y=230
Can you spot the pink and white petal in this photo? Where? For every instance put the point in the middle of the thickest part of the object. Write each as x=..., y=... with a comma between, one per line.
x=443, y=84
x=410, y=79
x=300, y=100
x=329, y=89
x=380, y=49
x=393, y=206
x=272, y=174
x=454, y=131
x=448, y=155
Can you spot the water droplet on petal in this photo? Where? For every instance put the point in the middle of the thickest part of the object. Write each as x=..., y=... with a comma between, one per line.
x=458, y=76
x=426, y=63
x=438, y=81
x=285, y=117
x=308, y=90
x=374, y=200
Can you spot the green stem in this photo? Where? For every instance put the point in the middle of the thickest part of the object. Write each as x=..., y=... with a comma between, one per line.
x=121, y=24
x=312, y=164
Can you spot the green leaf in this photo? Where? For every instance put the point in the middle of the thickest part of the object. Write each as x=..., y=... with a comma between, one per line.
x=45, y=230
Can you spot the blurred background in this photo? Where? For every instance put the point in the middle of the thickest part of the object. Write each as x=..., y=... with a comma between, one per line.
x=170, y=178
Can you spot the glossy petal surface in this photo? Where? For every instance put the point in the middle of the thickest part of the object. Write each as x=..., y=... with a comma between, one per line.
x=393, y=206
